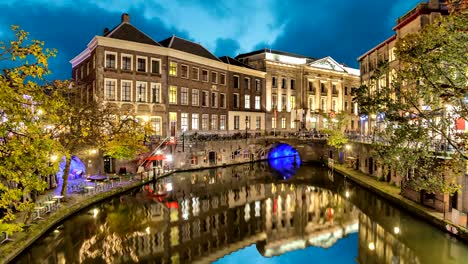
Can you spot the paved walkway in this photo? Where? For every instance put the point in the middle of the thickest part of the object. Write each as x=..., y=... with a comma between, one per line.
x=77, y=197
x=392, y=193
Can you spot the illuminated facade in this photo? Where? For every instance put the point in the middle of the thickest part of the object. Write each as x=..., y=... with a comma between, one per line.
x=410, y=22
x=174, y=85
x=304, y=92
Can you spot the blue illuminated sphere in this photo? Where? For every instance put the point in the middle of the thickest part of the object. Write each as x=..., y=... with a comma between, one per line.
x=284, y=160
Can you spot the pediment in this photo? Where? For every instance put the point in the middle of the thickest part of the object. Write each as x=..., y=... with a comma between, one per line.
x=327, y=63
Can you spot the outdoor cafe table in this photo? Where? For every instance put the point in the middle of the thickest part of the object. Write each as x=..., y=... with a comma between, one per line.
x=58, y=197
x=89, y=188
x=49, y=205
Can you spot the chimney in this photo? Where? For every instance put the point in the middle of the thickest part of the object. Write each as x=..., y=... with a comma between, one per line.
x=106, y=30
x=125, y=18
x=434, y=4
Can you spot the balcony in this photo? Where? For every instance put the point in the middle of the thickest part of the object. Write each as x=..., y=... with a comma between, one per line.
x=335, y=93
x=324, y=92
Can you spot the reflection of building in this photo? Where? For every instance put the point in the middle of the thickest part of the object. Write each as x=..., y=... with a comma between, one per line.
x=224, y=214
x=377, y=245
x=304, y=92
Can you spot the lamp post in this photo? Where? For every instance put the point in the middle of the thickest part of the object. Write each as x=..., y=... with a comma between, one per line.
x=246, y=126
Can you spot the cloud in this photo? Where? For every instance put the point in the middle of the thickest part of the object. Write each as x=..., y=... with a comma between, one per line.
x=249, y=22
x=342, y=29
x=226, y=47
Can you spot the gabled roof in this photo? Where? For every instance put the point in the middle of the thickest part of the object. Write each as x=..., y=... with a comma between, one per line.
x=329, y=63
x=265, y=50
x=181, y=44
x=232, y=61
x=126, y=31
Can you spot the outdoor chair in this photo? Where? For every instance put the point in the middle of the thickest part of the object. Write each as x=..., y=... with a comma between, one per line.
x=5, y=237
x=38, y=208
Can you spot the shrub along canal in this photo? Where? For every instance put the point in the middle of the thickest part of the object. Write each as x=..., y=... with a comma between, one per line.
x=267, y=212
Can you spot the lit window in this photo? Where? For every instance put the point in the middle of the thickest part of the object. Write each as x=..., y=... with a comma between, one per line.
x=126, y=91
x=156, y=125
x=323, y=104
x=205, y=123
x=184, y=96
x=173, y=94
x=292, y=102
x=236, y=122
x=184, y=121
x=173, y=68
x=156, y=93
x=110, y=89
x=195, y=97
x=222, y=122
x=257, y=102
x=195, y=121
x=311, y=103
x=283, y=122
x=247, y=122
x=273, y=122
x=274, y=101
x=141, y=91
x=214, y=122
x=247, y=101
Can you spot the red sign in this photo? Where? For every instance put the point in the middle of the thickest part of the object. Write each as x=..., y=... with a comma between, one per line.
x=460, y=124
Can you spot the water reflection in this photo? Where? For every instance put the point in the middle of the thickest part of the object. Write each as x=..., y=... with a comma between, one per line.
x=206, y=215
x=285, y=168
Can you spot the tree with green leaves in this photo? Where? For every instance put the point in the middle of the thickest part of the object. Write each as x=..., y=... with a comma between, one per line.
x=27, y=106
x=335, y=131
x=89, y=124
x=416, y=135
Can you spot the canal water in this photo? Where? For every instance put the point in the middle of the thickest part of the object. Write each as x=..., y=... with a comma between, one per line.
x=272, y=212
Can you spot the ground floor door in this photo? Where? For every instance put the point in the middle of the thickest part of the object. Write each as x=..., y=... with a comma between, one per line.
x=108, y=165
x=212, y=158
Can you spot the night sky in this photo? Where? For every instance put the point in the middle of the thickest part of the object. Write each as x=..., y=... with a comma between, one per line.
x=342, y=29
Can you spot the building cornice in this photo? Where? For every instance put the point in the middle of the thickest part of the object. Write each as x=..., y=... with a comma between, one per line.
x=239, y=69
x=387, y=41
x=157, y=50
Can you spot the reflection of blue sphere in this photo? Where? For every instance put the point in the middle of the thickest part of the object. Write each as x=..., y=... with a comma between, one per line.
x=284, y=160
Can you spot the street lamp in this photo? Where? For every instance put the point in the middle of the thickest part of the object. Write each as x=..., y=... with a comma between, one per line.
x=246, y=125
